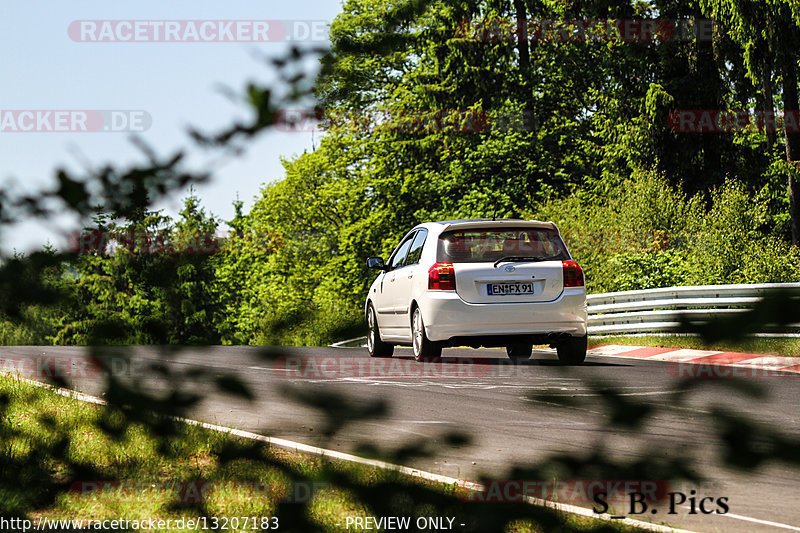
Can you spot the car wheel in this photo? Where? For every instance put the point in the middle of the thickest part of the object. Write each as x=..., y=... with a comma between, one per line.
x=375, y=346
x=423, y=347
x=572, y=350
x=522, y=350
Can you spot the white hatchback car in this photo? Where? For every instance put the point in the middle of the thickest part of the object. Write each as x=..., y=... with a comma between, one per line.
x=478, y=283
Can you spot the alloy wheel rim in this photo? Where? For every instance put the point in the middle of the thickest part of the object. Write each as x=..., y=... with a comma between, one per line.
x=371, y=328
x=417, y=332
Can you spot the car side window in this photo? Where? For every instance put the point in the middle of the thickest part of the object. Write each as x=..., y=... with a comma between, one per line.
x=415, y=252
x=402, y=251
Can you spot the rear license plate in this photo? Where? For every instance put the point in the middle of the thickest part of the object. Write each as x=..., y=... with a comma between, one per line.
x=508, y=289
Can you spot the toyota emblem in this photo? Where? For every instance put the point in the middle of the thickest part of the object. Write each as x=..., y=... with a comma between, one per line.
x=510, y=268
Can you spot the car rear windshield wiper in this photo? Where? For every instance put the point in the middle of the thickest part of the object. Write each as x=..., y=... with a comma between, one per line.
x=519, y=258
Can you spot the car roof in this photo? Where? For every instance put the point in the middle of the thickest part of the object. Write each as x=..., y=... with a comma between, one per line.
x=489, y=223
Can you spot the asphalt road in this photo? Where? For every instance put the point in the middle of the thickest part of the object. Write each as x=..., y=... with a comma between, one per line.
x=481, y=393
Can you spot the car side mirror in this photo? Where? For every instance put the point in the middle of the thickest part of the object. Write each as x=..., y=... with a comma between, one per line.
x=376, y=262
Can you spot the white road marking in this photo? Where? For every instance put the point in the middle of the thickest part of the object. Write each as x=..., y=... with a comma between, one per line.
x=612, y=349
x=757, y=521
x=680, y=356
x=769, y=361
x=655, y=393
x=418, y=384
x=422, y=421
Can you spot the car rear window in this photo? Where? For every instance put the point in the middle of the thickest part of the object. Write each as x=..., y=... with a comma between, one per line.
x=477, y=245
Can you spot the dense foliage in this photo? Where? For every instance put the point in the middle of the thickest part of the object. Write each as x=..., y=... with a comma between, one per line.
x=593, y=149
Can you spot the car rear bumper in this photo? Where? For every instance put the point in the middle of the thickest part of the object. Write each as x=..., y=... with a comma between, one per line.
x=446, y=316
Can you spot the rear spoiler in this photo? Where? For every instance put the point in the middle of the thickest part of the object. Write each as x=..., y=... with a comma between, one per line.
x=501, y=224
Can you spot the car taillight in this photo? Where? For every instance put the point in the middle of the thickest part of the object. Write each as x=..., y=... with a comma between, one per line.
x=573, y=274
x=442, y=277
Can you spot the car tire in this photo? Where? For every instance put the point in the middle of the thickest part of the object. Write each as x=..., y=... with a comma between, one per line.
x=375, y=346
x=572, y=350
x=423, y=347
x=521, y=350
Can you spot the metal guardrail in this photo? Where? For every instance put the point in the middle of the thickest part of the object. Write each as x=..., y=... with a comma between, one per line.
x=660, y=310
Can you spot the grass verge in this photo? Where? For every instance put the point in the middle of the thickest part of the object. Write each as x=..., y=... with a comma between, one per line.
x=63, y=459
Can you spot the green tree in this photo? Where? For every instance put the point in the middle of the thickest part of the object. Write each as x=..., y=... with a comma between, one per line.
x=148, y=280
x=766, y=30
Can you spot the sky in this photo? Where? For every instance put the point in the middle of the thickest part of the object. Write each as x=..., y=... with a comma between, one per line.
x=50, y=63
